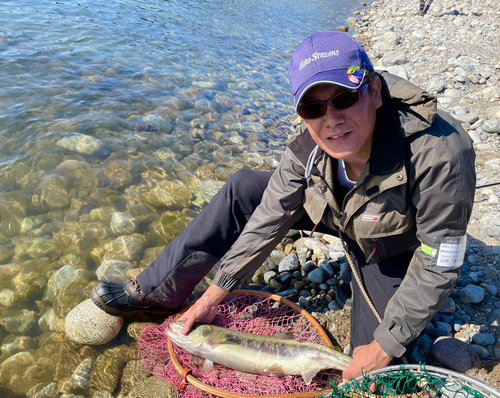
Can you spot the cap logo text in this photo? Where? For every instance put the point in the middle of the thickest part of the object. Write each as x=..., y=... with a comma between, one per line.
x=317, y=56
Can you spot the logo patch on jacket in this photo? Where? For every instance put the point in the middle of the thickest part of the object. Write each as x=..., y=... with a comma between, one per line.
x=370, y=218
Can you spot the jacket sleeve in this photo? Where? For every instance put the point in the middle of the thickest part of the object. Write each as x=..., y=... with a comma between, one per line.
x=442, y=169
x=280, y=207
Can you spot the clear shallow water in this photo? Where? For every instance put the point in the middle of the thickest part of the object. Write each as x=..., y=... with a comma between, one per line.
x=70, y=66
x=173, y=97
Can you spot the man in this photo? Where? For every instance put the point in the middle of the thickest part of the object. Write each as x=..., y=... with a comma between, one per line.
x=375, y=164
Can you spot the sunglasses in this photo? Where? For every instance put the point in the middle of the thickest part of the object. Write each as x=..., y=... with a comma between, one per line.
x=343, y=100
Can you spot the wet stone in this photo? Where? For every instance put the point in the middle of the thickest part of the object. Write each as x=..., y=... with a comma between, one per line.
x=48, y=391
x=166, y=228
x=109, y=366
x=133, y=373
x=62, y=277
x=15, y=365
x=123, y=224
x=114, y=270
x=153, y=387
x=69, y=296
x=18, y=322
x=42, y=372
x=49, y=321
x=81, y=376
x=81, y=143
x=134, y=329
x=150, y=255
x=126, y=248
x=88, y=324
x=6, y=297
x=14, y=344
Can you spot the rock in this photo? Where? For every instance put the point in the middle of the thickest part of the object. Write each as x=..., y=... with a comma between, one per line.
x=49, y=321
x=455, y=354
x=491, y=126
x=134, y=329
x=18, y=321
x=123, y=224
x=126, y=248
x=483, y=339
x=88, y=324
x=133, y=373
x=15, y=364
x=471, y=294
x=317, y=275
x=49, y=391
x=153, y=387
x=81, y=143
x=108, y=367
x=436, y=86
x=448, y=306
x=62, y=277
x=289, y=263
x=114, y=271
x=480, y=351
x=81, y=376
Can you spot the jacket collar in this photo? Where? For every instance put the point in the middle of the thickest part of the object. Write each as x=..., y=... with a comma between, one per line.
x=387, y=148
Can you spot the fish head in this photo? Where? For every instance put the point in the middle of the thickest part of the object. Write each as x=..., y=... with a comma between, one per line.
x=198, y=335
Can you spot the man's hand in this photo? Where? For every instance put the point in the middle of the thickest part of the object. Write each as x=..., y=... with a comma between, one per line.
x=205, y=309
x=366, y=358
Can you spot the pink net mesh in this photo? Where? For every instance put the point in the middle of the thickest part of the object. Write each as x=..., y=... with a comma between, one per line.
x=247, y=313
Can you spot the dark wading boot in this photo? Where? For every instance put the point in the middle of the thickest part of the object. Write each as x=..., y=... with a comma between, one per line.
x=126, y=299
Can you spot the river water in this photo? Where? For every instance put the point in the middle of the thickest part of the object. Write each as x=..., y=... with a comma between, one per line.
x=119, y=120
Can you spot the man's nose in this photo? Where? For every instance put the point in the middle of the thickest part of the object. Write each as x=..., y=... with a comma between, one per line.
x=333, y=116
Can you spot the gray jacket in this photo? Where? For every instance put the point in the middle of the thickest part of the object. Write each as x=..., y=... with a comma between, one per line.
x=418, y=183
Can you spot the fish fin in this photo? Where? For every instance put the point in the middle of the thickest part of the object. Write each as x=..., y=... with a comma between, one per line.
x=207, y=365
x=284, y=335
x=216, y=338
x=308, y=375
x=275, y=370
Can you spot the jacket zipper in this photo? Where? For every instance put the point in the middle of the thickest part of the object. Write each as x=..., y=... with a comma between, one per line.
x=375, y=248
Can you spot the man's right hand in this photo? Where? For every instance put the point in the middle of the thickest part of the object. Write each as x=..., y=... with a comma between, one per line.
x=205, y=309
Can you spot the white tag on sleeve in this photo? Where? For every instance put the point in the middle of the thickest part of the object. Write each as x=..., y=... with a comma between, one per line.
x=450, y=252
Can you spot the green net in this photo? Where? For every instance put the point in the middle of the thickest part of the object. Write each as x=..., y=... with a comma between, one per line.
x=412, y=381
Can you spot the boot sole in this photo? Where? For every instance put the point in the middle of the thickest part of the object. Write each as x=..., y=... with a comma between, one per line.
x=112, y=311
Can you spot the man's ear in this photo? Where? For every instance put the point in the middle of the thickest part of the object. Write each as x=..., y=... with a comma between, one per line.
x=376, y=86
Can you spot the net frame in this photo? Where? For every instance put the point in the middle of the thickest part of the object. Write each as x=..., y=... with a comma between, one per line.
x=451, y=376
x=188, y=377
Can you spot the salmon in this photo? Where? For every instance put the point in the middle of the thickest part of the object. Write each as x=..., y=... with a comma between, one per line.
x=274, y=356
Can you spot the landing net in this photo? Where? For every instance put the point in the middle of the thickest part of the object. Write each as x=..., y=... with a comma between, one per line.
x=413, y=381
x=252, y=312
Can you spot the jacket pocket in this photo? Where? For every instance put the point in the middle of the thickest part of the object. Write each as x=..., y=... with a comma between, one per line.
x=314, y=203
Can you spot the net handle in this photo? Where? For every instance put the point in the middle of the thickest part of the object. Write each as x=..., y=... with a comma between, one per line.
x=220, y=393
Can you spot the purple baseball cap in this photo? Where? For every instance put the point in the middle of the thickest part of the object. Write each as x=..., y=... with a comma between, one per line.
x=327, y=57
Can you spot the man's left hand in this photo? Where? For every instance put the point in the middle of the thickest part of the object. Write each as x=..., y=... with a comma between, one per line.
x=366, y=358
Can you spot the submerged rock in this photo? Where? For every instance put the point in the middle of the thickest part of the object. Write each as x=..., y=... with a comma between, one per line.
x=88, y=324
x=81, y=143
x=153, y=387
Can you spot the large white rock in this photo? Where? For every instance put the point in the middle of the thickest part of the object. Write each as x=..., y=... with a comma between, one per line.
x=88, y=324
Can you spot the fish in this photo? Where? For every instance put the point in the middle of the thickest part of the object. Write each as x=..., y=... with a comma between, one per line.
x=265, y=355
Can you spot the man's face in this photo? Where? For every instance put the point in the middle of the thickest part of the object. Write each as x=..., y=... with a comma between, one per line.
x=348, y=133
